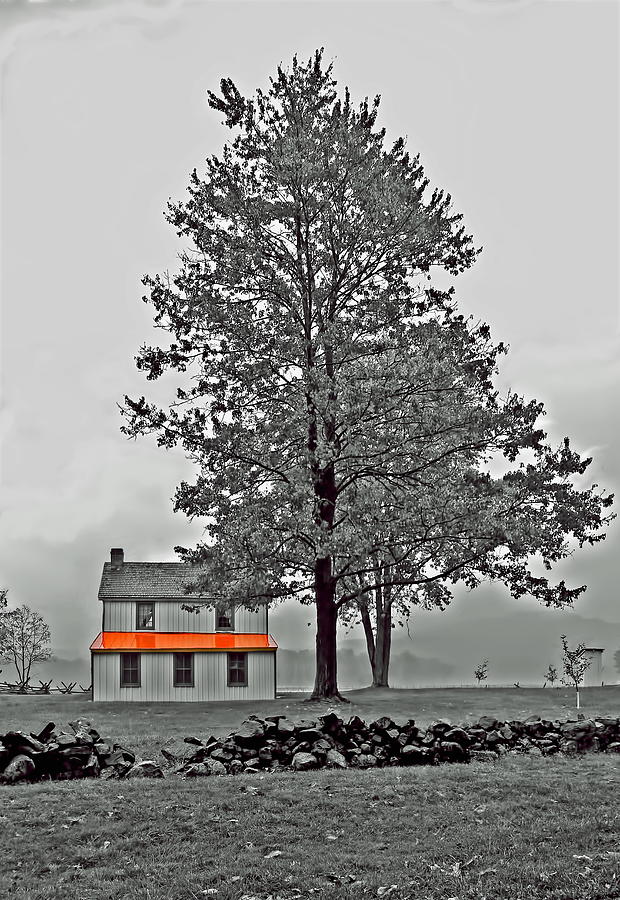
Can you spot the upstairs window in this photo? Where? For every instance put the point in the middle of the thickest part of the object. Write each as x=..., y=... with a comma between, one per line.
x=237, y=669
x=183, y=670
x=130, y=670
x=225, y=618
x=145, y=616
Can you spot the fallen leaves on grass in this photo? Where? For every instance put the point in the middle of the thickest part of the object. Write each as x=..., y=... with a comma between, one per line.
x=294, y=894
x=457, y=867
x=350, y=880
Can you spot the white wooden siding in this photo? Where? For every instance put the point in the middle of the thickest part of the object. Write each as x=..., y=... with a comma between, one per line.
x=120, y=615
x=593, y=677
x=210, y=678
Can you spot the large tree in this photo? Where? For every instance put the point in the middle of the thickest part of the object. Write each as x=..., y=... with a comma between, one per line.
x=460, y=523
x=331, y=387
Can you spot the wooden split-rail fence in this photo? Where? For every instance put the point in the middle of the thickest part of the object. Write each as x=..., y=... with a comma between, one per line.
x=45, y=687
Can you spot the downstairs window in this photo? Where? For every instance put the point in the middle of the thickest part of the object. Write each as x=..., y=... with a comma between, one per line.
x=237, y=669
x=130, y=670
x=183, y=670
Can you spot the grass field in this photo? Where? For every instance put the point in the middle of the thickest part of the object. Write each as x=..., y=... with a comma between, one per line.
x=517, y=829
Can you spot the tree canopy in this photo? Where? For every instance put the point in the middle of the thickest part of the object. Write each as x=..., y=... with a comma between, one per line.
x=340, y=411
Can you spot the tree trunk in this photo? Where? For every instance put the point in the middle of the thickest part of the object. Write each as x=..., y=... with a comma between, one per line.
x=326, y=677
x=370, y=635
x=383, y=647
x=384, y=627
x=378, y=648
x=326, y=680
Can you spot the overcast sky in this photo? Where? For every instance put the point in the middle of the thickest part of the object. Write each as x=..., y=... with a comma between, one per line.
x=514, y=108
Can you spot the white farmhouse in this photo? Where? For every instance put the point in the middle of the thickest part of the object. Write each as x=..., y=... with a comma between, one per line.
x=149, y=648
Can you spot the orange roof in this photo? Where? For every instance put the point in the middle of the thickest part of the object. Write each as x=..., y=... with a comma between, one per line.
x=153, y=640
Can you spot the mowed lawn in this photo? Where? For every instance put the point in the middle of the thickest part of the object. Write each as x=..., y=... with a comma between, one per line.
x=517, y=829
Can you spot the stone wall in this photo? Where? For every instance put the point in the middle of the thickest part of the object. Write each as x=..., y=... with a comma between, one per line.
x=77, y=751
x=275, y=743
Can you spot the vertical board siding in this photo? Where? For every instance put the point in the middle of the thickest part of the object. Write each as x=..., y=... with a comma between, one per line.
x=120, y=615
x=248, y=622
x=594, y=675
x=210, y=678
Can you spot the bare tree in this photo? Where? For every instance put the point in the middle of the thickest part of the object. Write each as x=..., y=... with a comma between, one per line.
x=24, y=640
x=3, y=604
x=482, y=671
x=575, y=665
x=551, y=675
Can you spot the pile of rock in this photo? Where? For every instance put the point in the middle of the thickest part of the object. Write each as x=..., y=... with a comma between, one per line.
x=274, y=742
x=75, y=752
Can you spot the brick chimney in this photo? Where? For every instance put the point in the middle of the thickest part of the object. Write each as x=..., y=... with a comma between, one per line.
x=117, y=557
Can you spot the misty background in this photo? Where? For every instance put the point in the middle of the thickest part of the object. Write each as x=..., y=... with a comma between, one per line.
x=513, y=107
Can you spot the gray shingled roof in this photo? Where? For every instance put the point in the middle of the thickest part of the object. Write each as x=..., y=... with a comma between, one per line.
x=147, y=579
